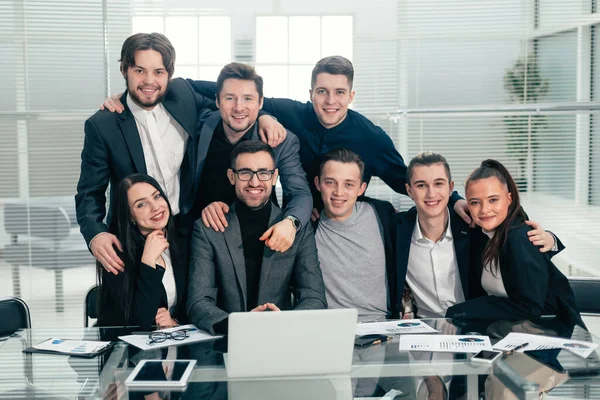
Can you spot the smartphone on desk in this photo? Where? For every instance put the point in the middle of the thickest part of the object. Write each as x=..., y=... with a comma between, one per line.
x=486, y=356
x=370, y=340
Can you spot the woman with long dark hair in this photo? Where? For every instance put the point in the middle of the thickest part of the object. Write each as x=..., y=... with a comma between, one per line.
x=151, y=289
x=513, y=279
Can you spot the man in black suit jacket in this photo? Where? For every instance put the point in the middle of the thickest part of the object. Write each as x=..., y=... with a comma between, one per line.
x=432, y=240
x=117, y=145
x=155, y=133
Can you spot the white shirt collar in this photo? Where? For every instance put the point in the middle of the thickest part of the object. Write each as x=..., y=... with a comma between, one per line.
x=140, y=113
x=418, y=235
x=489, y=234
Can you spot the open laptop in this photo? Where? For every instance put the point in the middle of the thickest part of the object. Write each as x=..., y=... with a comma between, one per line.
x=290, y=343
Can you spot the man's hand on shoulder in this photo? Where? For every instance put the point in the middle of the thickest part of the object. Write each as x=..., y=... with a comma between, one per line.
x=315, y=215
x=213, y=216
x=113, y=104
x=539, y=237
x=102, y=248
x=271, y=131
x=280, y=237
x=462, y=209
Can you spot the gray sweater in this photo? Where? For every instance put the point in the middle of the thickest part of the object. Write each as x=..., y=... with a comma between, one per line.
x=352, y=258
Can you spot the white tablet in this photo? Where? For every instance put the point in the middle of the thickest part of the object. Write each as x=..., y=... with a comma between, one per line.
x=158, y=374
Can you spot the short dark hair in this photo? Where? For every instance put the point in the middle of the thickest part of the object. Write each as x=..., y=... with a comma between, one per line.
x=245, y=72
x=148, y=41
x=344, y=156
x=250, y=146
x=334, y=65
x=427, y=158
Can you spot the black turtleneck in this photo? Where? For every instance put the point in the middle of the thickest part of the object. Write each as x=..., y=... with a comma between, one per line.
x=253, y=223
x=214, y=183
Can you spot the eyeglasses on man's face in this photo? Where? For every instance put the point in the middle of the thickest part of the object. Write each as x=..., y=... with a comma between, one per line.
x=246, y=175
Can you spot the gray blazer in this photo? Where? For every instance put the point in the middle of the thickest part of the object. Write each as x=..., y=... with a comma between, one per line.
x=217, y=276
x=296, y=193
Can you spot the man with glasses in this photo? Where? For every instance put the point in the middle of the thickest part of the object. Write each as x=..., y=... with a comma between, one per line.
x=240, y=98
x=234, y=271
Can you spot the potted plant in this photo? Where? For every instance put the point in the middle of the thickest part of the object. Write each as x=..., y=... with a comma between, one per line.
x=524, y=85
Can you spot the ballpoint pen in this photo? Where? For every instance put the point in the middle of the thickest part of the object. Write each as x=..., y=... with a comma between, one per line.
x=519, y=347
x=385, y=339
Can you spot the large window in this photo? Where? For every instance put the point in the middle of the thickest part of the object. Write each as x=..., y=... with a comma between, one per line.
x=202, y=44
x=287, y=49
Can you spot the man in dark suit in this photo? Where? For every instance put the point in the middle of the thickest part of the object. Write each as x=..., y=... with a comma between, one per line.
x=240, y=98
x=432, y=249
x=154, y=134
x=234, y=271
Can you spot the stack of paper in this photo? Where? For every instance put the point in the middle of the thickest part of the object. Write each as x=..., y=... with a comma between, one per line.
x=445, y=343
x=400, y=326
x=72, y=347
x=194, y=335
x=540, y=342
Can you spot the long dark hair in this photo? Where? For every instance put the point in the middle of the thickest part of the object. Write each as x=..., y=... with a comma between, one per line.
x=492, y=168
x=122, y=226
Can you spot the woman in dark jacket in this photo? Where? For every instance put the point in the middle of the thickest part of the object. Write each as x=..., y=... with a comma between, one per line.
x=514, y=280
x=151, y=290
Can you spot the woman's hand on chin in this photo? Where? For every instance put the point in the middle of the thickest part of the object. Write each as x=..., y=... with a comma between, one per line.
x=156, y=243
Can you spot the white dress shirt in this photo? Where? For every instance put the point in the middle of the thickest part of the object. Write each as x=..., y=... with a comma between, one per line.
x=432, y=273
x=168, y=281
x=163, y=142
x=493, y=285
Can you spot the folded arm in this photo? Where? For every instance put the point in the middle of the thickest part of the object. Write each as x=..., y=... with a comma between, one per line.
x=297, y=198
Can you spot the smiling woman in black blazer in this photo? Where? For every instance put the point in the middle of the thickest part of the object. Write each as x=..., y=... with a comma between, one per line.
x=151, y=289
x=513, y=279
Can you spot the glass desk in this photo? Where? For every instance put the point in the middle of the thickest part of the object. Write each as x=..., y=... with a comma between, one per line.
x=380, y=371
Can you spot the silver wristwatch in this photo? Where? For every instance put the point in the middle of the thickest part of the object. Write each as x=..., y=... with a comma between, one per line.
x=295, y=221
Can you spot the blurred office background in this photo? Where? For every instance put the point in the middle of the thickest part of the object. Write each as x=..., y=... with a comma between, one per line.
x=514, y=80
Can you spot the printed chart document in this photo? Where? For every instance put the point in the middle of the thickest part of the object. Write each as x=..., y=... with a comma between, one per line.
x=80, y=348
x=540, y=342
x=394, y=327
x=445, y=343
x=144, y=342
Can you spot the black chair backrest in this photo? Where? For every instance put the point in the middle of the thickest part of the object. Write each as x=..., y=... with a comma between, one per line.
x=586, y=294
x=14, y=315
x=91, y=305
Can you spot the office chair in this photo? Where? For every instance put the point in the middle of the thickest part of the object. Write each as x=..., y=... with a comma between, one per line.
x=90, y=308
x=14, y=315
x=586, y=295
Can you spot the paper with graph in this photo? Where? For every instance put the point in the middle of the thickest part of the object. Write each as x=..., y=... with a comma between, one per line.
x=540, y=342
x=445, y=343
x=400, y=326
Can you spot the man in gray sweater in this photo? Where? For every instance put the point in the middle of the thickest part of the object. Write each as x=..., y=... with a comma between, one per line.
x=351, y=237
